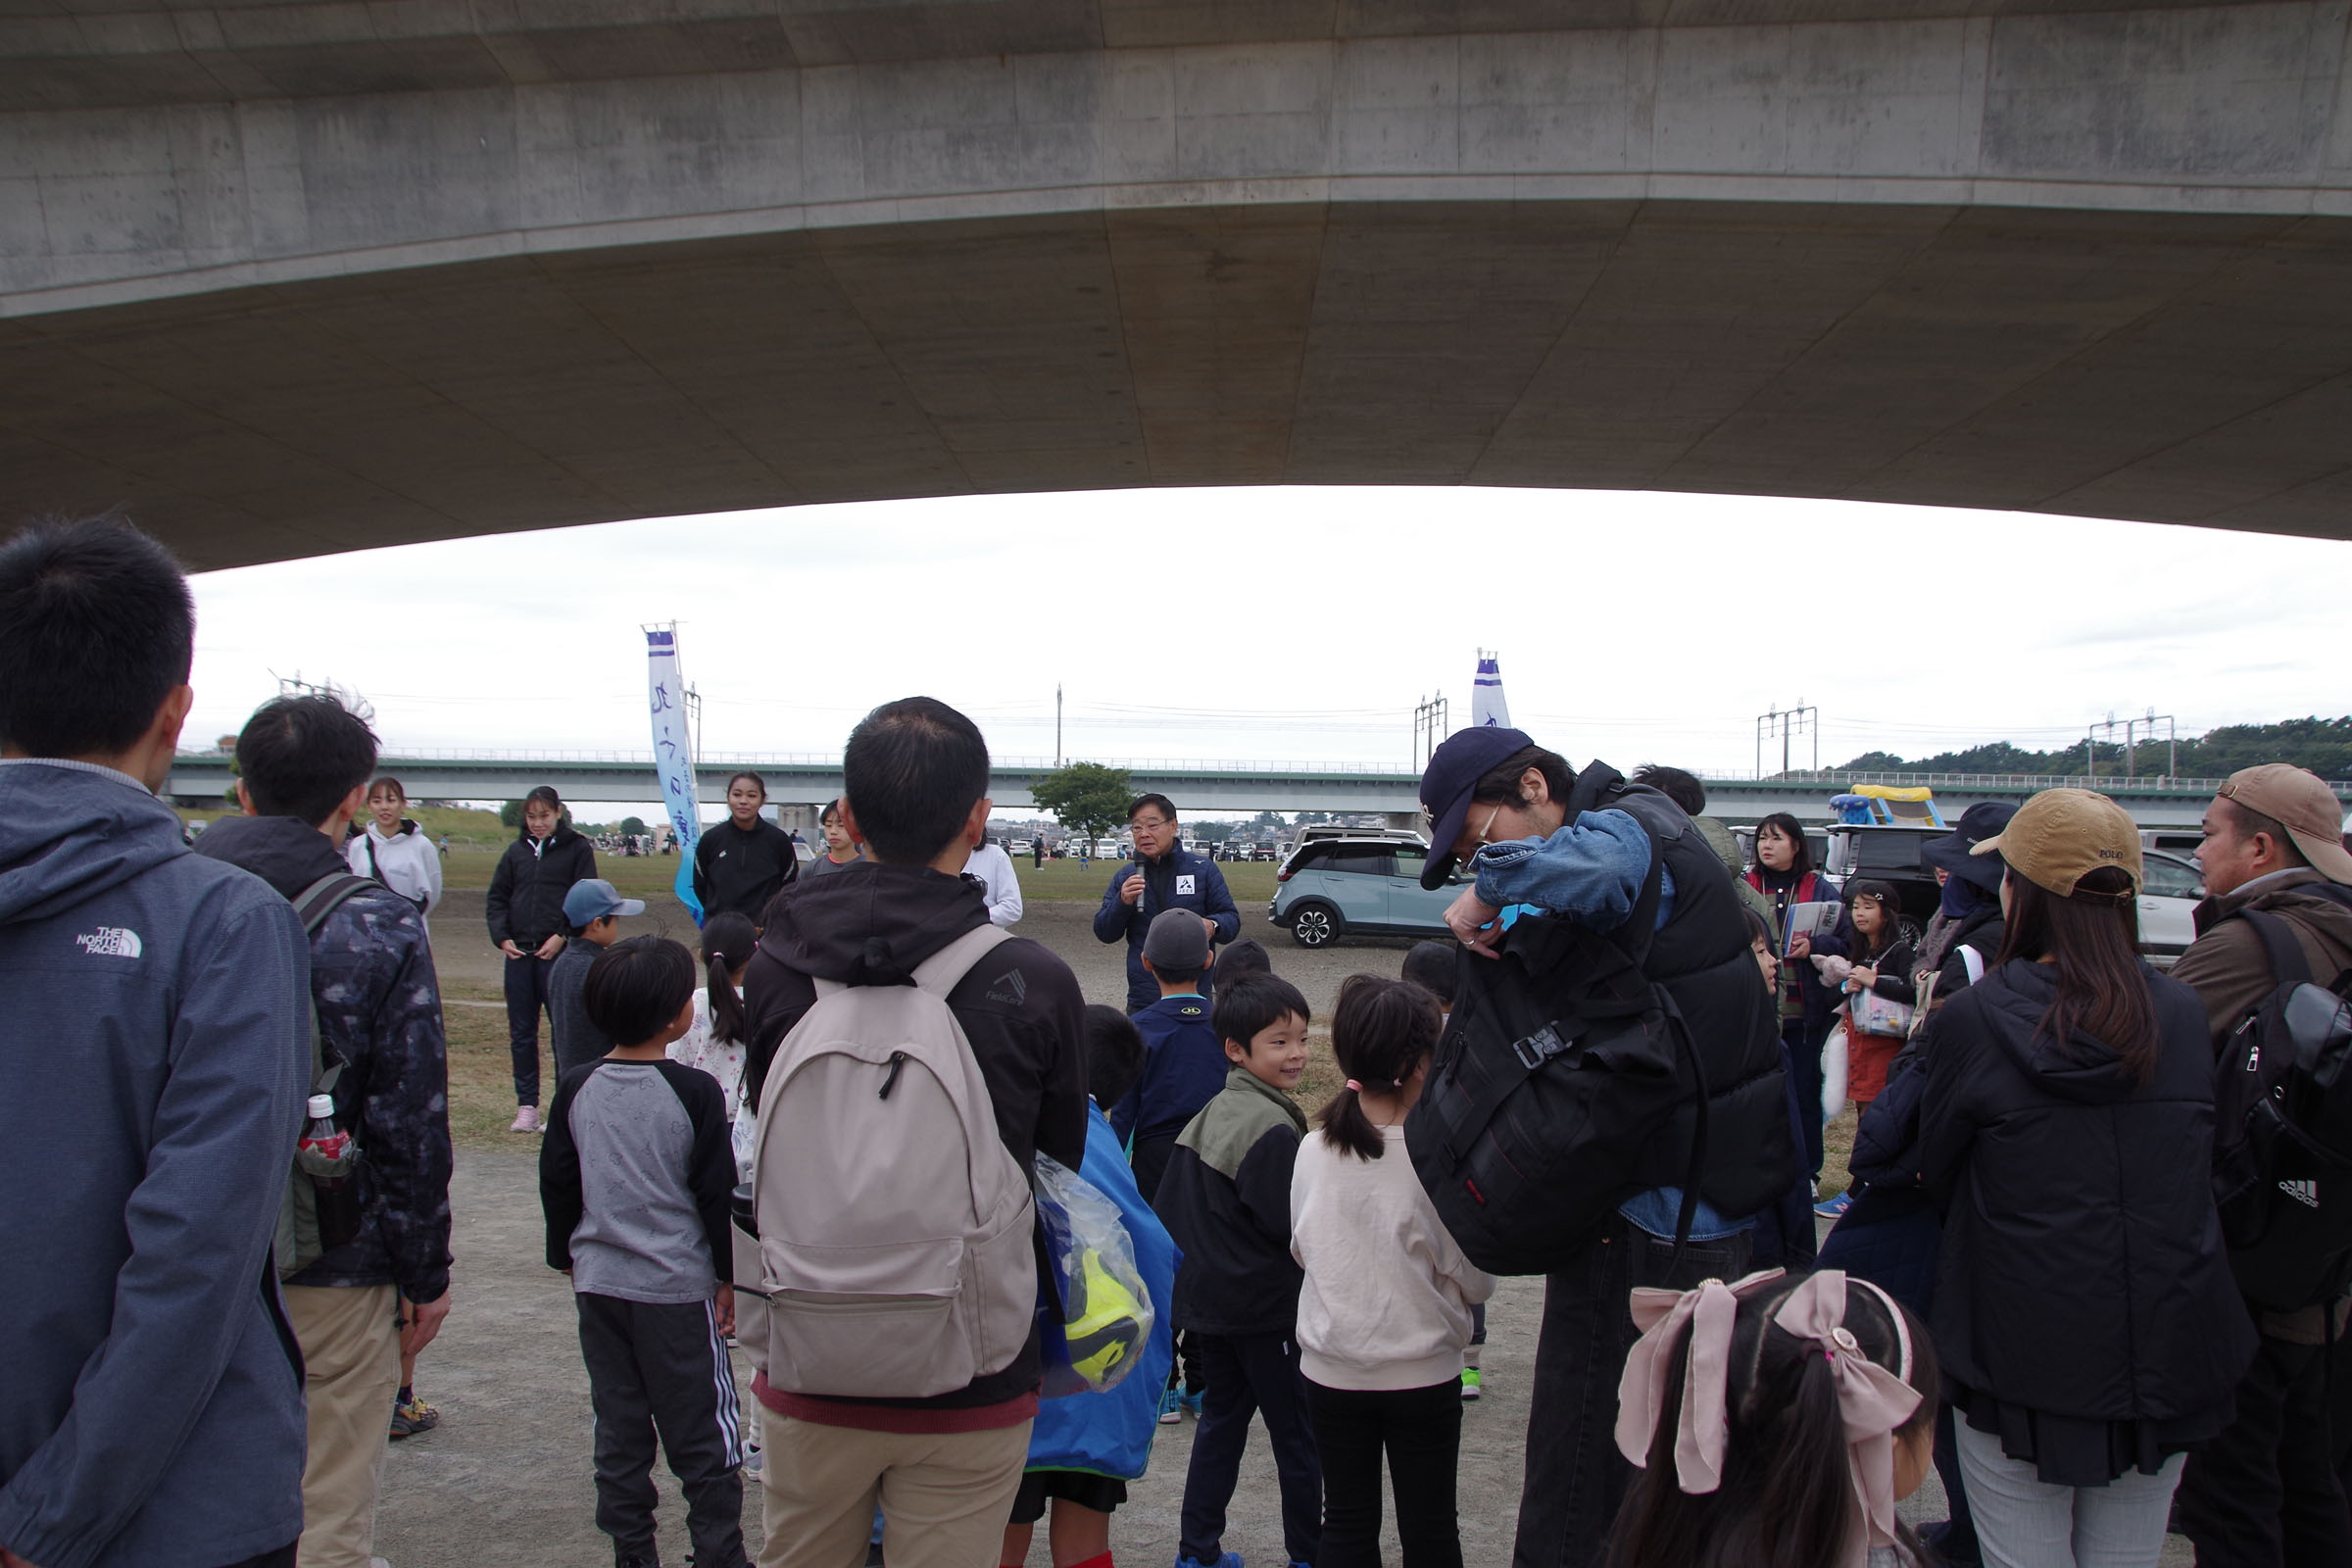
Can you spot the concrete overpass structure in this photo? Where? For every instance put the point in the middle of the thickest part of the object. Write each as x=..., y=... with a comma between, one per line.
x=288, y=277
x=1206, y=788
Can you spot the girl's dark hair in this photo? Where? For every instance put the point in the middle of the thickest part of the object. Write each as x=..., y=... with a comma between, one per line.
x=1114, y=1054
x=1890, y=916
x=1794, y=831
x=1381, y=1031
x=1245, y=957
x=636, y=989
x=385, y=782
x=1757, y=930
x=2094, y=936
x=1431, y=965
x=728, y=939
x=1787, y=1500
x=754, y=777
x=1501, y=781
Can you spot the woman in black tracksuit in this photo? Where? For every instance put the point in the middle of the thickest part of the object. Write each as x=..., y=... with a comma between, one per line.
x=526, y=921
x=2085, y=1312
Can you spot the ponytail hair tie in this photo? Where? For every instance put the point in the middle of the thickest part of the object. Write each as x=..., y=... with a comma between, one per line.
x=1354, y=1086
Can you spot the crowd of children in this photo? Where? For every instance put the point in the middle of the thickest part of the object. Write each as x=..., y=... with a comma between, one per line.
x=1299, y=1265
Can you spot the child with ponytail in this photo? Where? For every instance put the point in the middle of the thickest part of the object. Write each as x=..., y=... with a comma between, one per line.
x=1384, y=1312
x=722, y=1032
x=1777, y=1422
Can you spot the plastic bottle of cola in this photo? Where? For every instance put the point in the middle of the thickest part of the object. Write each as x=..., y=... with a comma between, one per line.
x=326, y=1154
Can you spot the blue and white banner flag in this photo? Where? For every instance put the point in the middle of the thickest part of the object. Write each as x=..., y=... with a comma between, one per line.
x=673, y=756
x=1486, y=709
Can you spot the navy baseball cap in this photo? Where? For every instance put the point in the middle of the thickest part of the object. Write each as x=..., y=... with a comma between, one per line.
x=594, y=898
x=1454, y=768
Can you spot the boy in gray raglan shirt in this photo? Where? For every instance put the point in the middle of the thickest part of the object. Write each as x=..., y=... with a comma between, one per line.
x=635, y=1177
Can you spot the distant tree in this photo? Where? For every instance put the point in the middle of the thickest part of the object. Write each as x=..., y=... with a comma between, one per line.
x=632, y=824
x=511, y=814
x=1086, y=798
x=1268, y=820
x=1213, y=832
x=2323, y=744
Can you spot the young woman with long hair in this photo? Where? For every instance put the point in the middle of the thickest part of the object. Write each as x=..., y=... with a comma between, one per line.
x=2090, y=1329
x=1784, y=873
x=525, y=910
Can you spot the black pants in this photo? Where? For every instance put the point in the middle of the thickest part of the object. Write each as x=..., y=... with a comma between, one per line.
x=526, y=998
x=2264, y=1493
x=1804, y=1077
x=662, y=1368
x=282, y=1558
x=1150, y=1160
x=1575, y=1477
x=1252, y=1374
x=1420, y=1432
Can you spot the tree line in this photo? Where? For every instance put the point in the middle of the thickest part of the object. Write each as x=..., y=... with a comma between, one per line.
x=2322, y=745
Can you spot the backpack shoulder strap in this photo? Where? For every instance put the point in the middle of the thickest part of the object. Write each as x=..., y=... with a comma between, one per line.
x=323, y=896
x=944, y=970
x=2279, y=944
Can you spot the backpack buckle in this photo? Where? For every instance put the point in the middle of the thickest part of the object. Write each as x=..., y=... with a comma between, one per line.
x=1539, y=1047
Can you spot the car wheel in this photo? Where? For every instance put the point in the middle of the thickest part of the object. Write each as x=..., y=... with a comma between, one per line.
x=1314, y=925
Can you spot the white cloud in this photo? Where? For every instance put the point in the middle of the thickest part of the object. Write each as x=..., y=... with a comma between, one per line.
x=1304, y=624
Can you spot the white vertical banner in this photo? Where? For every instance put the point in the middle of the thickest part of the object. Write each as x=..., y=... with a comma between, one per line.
x=674, y=755
x=1486, y=707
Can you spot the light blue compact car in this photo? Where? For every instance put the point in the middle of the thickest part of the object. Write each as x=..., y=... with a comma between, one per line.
x=1337, y=887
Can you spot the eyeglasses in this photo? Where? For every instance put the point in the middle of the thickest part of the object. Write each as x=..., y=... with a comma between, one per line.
x=1148, y=824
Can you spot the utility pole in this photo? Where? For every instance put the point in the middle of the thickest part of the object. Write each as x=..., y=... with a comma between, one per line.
x=2151, y=720
x=1057, y=723
x=1430, y=721
x=1785, y=722
x=2110, y=725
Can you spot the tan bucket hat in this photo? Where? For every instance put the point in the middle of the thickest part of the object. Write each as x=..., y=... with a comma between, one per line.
x=2061, y=836
x=2300, y=802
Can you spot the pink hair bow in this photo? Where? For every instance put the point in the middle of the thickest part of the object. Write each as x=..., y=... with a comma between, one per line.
x=1874, y=1401
x=1699, y=1432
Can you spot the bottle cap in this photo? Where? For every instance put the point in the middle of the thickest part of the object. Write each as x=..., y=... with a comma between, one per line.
x=322, y=1105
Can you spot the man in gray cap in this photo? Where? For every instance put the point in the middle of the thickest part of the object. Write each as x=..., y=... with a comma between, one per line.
x=2266, y=1490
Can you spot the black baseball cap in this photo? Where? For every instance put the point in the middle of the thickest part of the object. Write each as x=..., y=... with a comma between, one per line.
x=1454, y=768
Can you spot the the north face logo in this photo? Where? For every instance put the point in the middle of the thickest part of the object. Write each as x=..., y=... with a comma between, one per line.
x=2305, y=1193
x=112, y=942
x=1008, y=988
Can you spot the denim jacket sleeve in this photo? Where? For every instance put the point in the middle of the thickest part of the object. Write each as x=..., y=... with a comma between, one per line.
x=1591, y=870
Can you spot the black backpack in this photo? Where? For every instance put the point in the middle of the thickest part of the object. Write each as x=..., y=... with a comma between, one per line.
x=1560, y=1067
x=2283, y=1129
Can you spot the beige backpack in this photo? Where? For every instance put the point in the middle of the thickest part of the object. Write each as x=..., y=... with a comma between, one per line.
x=895, y=1253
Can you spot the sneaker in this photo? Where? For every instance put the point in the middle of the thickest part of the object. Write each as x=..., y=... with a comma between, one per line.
x=645, y=1556
x=1231, y=1559
x=1191, y=1401
x=1171, y=1408
x=1835, y=1207
x=754, y=1462
x=1470, y=1389
x=526, y=1119
x=413, y=1417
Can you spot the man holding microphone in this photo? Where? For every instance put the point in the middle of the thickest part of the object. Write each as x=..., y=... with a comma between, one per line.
x=1162, y=875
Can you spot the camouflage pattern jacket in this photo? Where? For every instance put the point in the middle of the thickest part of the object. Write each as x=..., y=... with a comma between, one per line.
x=378, y=1002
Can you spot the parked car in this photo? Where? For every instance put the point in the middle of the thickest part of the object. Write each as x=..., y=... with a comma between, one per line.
x=1331, y=888
x=1018, y=846
x=2170, y=891
x=1331, y=830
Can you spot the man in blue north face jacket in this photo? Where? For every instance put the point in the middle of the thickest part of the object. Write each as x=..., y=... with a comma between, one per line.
x=156, y=1050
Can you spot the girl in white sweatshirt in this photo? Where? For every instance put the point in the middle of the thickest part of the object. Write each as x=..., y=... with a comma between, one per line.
x=1385, y=1310
x=395, y=851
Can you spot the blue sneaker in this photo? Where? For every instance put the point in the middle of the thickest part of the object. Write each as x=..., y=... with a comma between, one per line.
x=1192, y=1404
x=1171, y=1407
x=1231, y=1559
x=1835, y=1207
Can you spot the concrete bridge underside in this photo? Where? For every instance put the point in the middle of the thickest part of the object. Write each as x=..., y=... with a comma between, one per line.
x=286, y=294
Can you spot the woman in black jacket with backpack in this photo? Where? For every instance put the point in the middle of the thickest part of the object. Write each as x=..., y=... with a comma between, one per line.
x=527, y=920
x=2084, y=1313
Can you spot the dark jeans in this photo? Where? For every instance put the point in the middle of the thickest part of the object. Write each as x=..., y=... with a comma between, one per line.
x=1804, y=1077
x=526, y=998
x=662, y=1368
x=2264, y=1495
x=1420, y=1431
x=1252, y=1374
x=1575, y=1476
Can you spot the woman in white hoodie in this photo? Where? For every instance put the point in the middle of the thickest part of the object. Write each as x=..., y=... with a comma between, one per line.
x=395, y=851
x=1385, y=1310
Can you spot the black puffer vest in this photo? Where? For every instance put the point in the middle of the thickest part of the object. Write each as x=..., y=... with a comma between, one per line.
x=1702, y=959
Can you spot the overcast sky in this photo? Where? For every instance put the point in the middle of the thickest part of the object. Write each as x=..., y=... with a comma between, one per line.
x=1283, y=625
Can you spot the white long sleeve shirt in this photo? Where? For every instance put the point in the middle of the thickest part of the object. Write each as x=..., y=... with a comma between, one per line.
x=991, y=866
x=408, y=863
x=1386, y=1301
